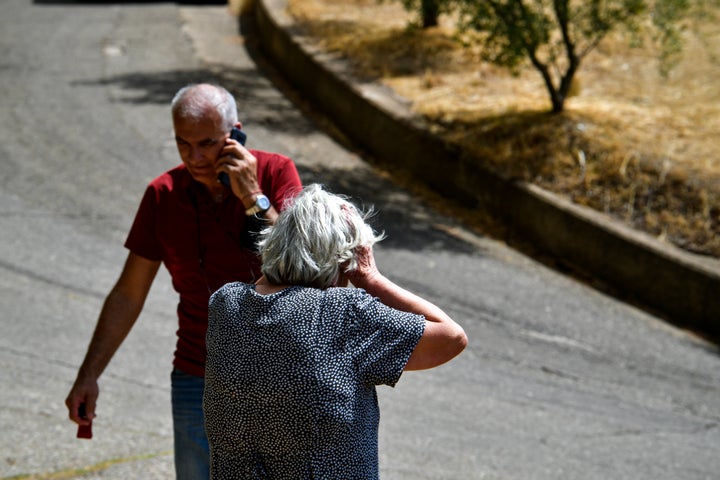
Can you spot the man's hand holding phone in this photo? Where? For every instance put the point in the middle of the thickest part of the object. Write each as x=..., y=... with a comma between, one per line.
x=241, y=173
x=239, y=136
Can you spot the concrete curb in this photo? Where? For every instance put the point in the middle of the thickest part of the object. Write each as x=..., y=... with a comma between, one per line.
x=682, y=286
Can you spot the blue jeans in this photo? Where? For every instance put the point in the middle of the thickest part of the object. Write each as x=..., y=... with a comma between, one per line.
x=192, y=453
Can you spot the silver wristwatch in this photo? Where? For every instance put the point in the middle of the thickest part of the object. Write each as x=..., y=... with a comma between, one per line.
x=262, y=205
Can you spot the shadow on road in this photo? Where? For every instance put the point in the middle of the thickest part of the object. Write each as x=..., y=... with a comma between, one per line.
x=405, y=222
x=253, y=93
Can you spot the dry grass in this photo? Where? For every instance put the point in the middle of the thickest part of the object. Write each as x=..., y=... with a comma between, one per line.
x=637, y=146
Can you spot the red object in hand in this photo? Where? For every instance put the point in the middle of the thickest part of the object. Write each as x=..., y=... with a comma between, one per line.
x=84, y=431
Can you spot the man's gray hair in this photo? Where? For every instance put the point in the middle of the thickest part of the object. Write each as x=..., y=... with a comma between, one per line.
x=193, y=102
x=313, y=239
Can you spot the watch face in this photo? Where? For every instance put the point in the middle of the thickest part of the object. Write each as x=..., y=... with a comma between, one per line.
x=263, y=202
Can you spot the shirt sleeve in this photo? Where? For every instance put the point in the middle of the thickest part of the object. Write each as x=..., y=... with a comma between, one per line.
x=142, y=239
x=282, y=182
x=384, y=339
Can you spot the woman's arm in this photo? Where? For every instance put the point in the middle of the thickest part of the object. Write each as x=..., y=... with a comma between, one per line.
x=442, y=339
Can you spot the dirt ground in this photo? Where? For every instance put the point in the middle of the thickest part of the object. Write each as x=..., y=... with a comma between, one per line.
x=631, y=143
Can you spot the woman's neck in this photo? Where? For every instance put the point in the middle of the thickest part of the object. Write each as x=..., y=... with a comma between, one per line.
x=264, y=287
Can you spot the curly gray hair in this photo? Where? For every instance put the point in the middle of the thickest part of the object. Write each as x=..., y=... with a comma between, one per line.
x=313, y=239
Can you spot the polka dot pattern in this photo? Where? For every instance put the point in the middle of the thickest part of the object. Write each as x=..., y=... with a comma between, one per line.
x=290, y=380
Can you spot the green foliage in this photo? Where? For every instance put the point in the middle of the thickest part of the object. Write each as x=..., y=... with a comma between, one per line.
x=667, y=32
x=556, y=35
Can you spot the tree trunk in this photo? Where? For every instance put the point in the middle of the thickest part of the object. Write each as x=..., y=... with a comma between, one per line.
x=430, y=12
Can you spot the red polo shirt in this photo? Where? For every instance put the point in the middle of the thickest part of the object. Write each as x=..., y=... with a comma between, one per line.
x=203, y=244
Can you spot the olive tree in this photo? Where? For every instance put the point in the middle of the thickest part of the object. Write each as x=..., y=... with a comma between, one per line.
x=556, y=35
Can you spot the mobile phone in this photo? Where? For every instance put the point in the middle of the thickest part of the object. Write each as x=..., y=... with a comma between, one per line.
x=240, y=136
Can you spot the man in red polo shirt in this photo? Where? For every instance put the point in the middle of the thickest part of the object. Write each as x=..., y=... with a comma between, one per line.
x=202, y=229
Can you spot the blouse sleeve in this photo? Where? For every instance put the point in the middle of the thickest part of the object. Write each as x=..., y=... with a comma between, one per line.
x=383, y=339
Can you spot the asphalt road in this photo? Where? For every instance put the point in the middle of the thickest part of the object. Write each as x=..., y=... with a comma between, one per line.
x=559, y=381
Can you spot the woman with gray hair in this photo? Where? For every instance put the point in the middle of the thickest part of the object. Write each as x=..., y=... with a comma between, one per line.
x=293, y=360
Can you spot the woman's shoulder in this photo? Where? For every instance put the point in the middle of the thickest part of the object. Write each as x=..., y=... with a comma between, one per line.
x=346, y=293
x=340, y=296
x=237, y=286
x=231, y=289
x=348, y=297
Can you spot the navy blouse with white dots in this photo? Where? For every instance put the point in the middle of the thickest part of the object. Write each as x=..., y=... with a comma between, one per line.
x=290, y=380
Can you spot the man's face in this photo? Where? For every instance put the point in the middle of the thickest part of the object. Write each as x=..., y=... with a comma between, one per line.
x=199, y=144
